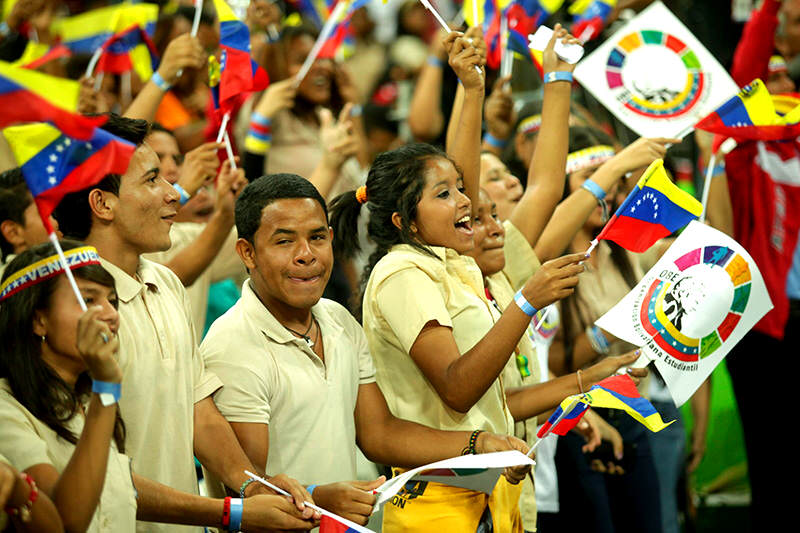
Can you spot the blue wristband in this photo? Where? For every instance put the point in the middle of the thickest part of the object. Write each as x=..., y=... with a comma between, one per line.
x=524, y=304
x=160, y=82
x=435, y=62
x=310, y=489
x=184, y=195
x=237, y=508
x=110, y=393
x=558, y=75
x=595, y=189
x=260, y=119
x=494, y=141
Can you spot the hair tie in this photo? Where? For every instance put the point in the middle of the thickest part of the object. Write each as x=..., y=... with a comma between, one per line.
x=361, y=194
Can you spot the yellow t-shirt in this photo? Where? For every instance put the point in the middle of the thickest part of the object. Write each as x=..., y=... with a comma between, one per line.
x=407, y=289
x=522, y=368
x=27, y=442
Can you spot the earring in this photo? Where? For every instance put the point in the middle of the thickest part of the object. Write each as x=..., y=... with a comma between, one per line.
x=44, y=339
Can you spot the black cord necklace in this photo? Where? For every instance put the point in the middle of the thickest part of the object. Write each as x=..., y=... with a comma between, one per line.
x=305, y=336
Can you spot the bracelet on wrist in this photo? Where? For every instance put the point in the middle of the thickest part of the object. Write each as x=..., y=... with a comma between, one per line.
x=160, y=82
x=24, y=510
x=236, y=511
x=226, y=513
x=184, y=195
x=109, y=393
x=491, y=140
x=259, y=135
x=310, y=489
x=597, y=339
x=524, y=304
x=599, y=195
x=558, y=75
x=435, y=62
x=244, y=487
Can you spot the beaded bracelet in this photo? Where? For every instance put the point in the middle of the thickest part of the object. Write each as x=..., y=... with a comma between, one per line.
x=24, y=510
x=469, y=449
x=244, y=487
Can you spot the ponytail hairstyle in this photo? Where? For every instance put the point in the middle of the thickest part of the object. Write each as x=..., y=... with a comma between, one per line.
x=394, y=185
x=572, y=321
x=33, y=382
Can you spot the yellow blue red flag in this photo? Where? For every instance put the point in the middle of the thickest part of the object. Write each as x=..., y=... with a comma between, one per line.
x=85, y=33
x=654, y=209
x=30, y=96
x=55, y=164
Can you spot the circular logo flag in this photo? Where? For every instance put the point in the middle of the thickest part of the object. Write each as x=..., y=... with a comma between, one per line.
x=692, y=307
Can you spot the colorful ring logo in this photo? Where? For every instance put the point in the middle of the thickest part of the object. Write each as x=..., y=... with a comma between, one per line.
x=662, y=103
x=661, y=311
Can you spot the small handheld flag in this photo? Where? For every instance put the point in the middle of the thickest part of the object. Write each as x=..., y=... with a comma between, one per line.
x=29, y=96
x=565, y=417
x=589, y=17
x=654, y=209
x=619, y=392
x=54, y=164
x=130, y=49
x=751, y=115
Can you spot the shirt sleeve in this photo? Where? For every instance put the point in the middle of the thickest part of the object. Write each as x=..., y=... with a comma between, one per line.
x=205, y=381
x=521, y=260
x=409, y=299
x=19, y=442
x=366, y=368
x=751, y=58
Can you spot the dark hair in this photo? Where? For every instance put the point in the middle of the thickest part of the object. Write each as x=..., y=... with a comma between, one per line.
x=73, y=213
x=33, y=382
x=394, y=184
x=14, y=200
x=581, y=137
x=261, y=192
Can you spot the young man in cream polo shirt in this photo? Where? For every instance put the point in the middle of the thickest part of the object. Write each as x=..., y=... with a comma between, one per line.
x=166, y=402
x=300, y=389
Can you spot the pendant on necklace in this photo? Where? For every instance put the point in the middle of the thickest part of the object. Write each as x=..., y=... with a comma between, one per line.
x=309, y=342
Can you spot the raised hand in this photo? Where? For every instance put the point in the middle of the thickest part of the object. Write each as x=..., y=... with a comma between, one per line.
x=642, y=152
x=339, y=142
x=550, y=60
x=199, y=167
x=230, y=183
x=465, y=60
x=499, y=110
x=182, y=52
x=98, y=346
x=556, y=279
x=609, y=366
x=349, y=499
x=278, y=96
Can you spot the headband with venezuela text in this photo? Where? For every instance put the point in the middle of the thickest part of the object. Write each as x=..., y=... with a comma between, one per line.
x=47, y=268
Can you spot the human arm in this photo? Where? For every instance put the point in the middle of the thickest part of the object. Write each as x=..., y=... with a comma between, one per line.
x=461, y=379
x=352, y=98
x=701, y=410
x=278, y=96
x=75, y=492
x=499, y=116
x=425, y=117
x=547, y=169
x=465, y=59
x=15, y=492
x=533, y=400
x=571, y=214
x=261, y=512
x=192, y=261
x=751, y=57
x=474, y=35
x=182, y=52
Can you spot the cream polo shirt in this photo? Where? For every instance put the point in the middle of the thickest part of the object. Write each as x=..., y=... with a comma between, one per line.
x=163, y=374
x=272, y=377
x=26, y=442
x=406, y=290
x=522, y=368
x=225, y=265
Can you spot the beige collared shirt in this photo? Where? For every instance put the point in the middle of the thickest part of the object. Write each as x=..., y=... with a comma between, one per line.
x=26, y=442
x=225, y=265
x=522, y=368
x=406, y=290
x=163, y=374
x=272, y=377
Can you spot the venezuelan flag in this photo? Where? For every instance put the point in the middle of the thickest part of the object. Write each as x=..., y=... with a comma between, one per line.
x=316, y=11
x=130, y=49
x=85, y=33
x=655, y=208
x=619, y=392
x=574, y=408
x=589, y=17
x=30, y=96
x=524, y=17
x=340, y=45
x=238, y=72
x=329, y=524
x=487, y=11
x=751, y=115
x=55, y=164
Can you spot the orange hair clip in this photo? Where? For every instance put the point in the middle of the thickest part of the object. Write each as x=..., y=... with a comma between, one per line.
x=361, y=194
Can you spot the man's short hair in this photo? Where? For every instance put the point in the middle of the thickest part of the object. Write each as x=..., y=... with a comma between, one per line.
x=73, y=213
x=265, y=190
x=14, y=200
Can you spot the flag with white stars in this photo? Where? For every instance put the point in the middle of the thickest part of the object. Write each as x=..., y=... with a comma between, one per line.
x=55, y=164
x=654, y=209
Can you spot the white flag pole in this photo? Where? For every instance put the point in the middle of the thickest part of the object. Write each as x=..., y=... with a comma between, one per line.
x=707, y=185
x=198, y=11
x=475, y=20
x=322, y=511
x=506, y=58
x=327, y=28
x=67, y=271
x=222, y=128
x=442, y=23
x=93, y=63
x=229, y=150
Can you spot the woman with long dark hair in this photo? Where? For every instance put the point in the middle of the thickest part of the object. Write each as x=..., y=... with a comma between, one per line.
x=59, y=420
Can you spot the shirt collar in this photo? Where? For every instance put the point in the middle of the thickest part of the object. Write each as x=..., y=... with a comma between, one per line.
x=270, y=326
x=129, y=287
